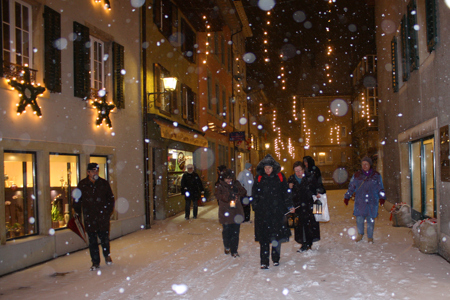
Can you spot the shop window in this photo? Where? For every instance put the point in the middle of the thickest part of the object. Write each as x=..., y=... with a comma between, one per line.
x=21, y=216
x=64, y=178
x=176, y=166
x=322, y=157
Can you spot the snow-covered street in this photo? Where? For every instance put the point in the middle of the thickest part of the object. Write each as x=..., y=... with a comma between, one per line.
x=179, y=259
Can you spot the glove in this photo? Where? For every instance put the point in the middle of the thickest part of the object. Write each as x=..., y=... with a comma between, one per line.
x=382, y=201
x=346, y=201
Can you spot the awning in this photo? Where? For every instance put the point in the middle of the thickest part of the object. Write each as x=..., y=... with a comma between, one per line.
x=181, y=134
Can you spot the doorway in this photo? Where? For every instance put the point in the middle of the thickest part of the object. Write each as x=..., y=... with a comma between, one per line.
x=422, y=170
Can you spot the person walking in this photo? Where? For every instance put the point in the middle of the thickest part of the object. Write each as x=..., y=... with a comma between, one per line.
x=97, y=205
x=367, y=186
x=231, y=213
x=192, y=187
x=307, y=230
x=245, y=177
x=271, y=201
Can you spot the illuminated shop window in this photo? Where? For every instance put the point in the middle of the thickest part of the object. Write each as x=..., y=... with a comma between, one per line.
x=20, y=194
x=177, y=162
x=64, y=178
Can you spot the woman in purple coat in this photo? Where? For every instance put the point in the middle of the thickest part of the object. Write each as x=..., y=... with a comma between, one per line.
x=368, y=188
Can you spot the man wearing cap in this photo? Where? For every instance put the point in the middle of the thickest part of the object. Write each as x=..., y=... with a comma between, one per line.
x=97, y=204
x=192, y=187
x=245, y=177
x=368, y=188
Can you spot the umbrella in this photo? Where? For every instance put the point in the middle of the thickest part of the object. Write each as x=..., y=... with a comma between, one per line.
x=75, y=225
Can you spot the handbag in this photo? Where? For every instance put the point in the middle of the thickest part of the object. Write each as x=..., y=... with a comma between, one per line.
x=292, y=220
x=325, y=216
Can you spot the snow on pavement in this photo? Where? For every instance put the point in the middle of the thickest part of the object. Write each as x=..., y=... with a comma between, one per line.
x=179, y=259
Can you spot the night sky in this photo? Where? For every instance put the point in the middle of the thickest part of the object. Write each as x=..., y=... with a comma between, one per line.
x=298, y=30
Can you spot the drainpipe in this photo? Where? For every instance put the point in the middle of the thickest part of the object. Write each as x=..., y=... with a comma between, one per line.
x=148, y=202
x=232, y=94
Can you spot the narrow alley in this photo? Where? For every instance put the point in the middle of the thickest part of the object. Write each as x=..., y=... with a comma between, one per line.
x=179, y=259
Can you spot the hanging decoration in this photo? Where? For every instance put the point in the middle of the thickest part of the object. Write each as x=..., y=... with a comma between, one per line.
x=28, y=93
x=103, y=110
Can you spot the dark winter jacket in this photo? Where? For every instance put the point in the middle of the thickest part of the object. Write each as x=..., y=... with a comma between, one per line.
x=315, y=176
x=224, y=194
x=192, y=184
x=271, y=201
x=302, y=197
x=368, y=189
x=96, y=203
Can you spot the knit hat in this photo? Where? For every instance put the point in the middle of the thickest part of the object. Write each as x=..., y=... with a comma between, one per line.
x=248, y=165
x=368, y=159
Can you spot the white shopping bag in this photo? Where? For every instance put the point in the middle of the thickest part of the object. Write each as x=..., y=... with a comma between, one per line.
x=325, y=216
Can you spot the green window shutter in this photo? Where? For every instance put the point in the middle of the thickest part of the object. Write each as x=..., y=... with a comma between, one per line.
x=431, y=19
x=118, y=77
x=52, y=55
x=405, y=49
x=413, y=37
x=81, y=61
x=394, y=64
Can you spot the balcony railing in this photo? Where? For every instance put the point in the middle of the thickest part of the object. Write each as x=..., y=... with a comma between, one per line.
x=14, y=72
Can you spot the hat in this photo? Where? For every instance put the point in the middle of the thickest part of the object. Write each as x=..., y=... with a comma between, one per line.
x=190, y=166
x=92, y=167
x=368, y=159
x=248, y=165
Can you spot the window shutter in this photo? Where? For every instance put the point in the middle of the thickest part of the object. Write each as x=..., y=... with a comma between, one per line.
x=157, y=13
x=118, y=77
x=52, y=56
x=157, y=85
x=193, y=106
x=431, y=19
x=173, y=102
x=81, y=63
x=184, y=99
x=394, y=64
x=412, y=36
x=405, y=49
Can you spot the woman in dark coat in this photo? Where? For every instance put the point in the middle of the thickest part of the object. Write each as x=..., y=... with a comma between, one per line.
x=231, y=213
x=271, y=201
x=314, y=175
x=307, y=229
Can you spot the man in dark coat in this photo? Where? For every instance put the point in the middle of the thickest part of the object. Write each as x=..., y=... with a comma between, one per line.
x=192, y=187
x=314, y=176
x=97, y=204
x=271, y=201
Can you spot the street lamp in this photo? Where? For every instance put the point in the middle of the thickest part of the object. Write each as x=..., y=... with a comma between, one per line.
x=169, y=85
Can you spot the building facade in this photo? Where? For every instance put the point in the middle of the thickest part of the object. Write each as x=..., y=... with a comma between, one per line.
x=414, y=118
x=86, y=57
